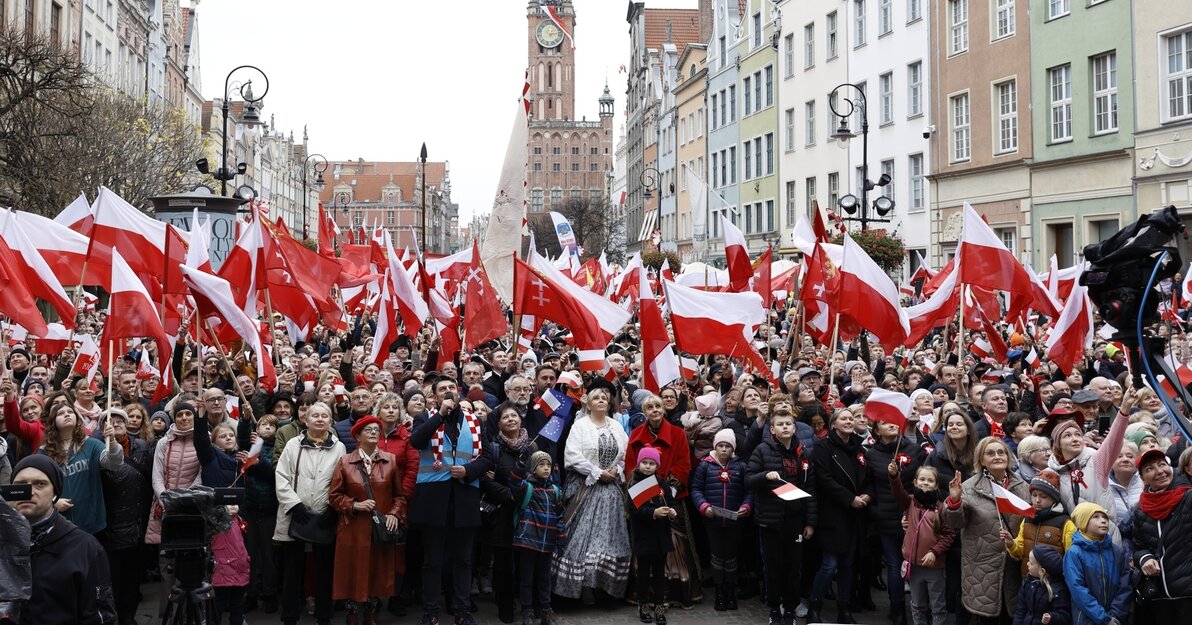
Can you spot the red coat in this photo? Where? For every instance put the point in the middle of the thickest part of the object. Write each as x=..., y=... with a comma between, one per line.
x=397, y=443
x=671, y=444
x=363, y=570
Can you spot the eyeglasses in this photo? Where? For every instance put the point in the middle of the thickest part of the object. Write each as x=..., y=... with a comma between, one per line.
x=215, y=400
x=371, y=428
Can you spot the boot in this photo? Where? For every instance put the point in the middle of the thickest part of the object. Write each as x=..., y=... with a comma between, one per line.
x=548, y=617
x=721, y=605
x=660, y=613
x=528, y=617
x=898, y=616
x=843, y=614
x=370, y=617
x=813, y=611
x=645, y=612
x=775, y=618
x=730, y=600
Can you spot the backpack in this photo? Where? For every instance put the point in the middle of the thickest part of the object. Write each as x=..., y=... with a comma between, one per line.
x=525, y=502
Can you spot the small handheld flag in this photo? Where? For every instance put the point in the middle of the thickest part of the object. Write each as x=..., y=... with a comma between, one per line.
x=553, y=401
x=790, y=492
x=1009, y=503
x=645, y=490
x=553, y=429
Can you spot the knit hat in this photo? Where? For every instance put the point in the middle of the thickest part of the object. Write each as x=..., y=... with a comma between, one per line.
x=1137, y=432
x=1048, y=483
x=180, y=406
x=42, y=463
x=1083, y=513
x=848, y=367
x=1058, y=432
x=725, y=436
x=937, y=386
x=1050, y=559
x=410, y=394
x=114, y=412
x=363, y=422
x=538, y=458
x=164, y=416
x=649, y=453
x=16, y=351
x=707, y=405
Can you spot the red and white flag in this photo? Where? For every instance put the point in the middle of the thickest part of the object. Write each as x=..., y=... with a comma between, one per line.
x=888, y=407
x=1031, y=358
x=660, y=366
x=407, y=300
x=1009, y=503
x=553, y=13
x=645, y=490
x=483, y=320
x=981, y=348
x=244, y=266
x=789, y=492
x=1073, y=331
x=42, y=281
x=16, y=296
x=132, y=314
x=86, y=362
x=716, y=323
x=689, y=367
x=64, y=250
x=736, y=256
x=869, y=296
x=197, y=254
x=78, y=216
x=55, y=340
x=984, y=261
x=939, y=307
x=214, y=300
x=387, y=331
x=145, y=369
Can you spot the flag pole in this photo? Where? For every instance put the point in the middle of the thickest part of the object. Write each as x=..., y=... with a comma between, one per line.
x=228, y=366
x=269, y=327
x=111, y=353
x=835, y=332
x=960, y=333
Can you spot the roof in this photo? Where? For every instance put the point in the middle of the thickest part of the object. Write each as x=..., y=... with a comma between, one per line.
x=684, y=25
x=372, y=176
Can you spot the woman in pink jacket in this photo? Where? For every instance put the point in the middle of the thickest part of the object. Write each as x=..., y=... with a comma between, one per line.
x=175, y=465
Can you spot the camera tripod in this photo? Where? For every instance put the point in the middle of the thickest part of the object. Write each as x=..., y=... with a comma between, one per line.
x=191, y=602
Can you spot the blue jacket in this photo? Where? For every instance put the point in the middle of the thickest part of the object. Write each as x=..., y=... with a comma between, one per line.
x=540, y=525
x=707, y=489
x=219, y=468
x=1098, y=576
x=1033, y=602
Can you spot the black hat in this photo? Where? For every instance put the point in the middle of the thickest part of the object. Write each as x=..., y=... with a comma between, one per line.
x=42, y=463
x=598, y=381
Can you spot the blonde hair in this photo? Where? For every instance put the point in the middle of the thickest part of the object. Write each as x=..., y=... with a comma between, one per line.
x=1043, y=576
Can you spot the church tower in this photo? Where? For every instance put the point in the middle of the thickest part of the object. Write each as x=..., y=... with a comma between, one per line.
x=551, y=59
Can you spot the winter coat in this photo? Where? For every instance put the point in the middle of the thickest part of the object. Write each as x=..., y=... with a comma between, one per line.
x=701, y=432
x=29, y=433
x=499, y=490
x=792, y=465
x=1032, y=603
x=284, y=433
x=651, y=536
x=671, y=443
x=885, y=515
x=362, y=569
x=1167, y=540
x=926, y=530
x=433, y=499
x=219, y=468
x=16, y=576
x=128, y=490
x=720, y=486
x=175, y=465
x=1094, y=465
x=840, y=476
x=232, y=564
x=397, y=442
x=1098, y=576
x=71, y=579
x=987, y=574
x=304, y=473
x=1051, y=527
x=945, y=468
x=260, y=487
x=759, y=432
x=540, y=521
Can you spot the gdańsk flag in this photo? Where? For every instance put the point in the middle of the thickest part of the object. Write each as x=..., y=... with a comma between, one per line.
x=214, y=300
x=869, y=296
x=888, y=407
x=660, y=366
x=736, y=256
x=715, y=323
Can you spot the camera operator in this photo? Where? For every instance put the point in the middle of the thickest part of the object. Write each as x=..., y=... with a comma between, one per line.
x=70, y=571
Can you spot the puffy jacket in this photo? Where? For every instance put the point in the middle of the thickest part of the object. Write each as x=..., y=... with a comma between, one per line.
x=885, y=515
x=232, y=564
x=1167, y=540
x=128, y=490
x=794, y=466
x=840, y=476
x=758, y=433
x=304, y=473
x=175, y=465
x=1033, y=601
x=985, y=578
x=1098, y=576
x=720, y=486
x=540, y=522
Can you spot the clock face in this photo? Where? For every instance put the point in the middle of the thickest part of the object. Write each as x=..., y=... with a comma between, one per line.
x=548, y=34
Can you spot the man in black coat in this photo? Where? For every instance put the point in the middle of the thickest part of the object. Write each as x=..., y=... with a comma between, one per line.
x=446, y=502
x=70, y=571
x=128, y=490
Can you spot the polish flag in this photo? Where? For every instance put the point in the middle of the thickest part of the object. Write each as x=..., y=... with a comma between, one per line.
x=145, y=369
x=1031, y=358
x=64, y=250
x=132, y=314
x=645, y=490
x=665, y=272
x=214, y=300
x=821, y=283
x=736, y=255
x=453, y=267
x=922, y=274
x=689, y=367
x=406, y=299
x=1009, y=503
x=716, y=323
x=984, y=261
x=888, y=407
x=16, y=295
x=553, y=13
x=55, y=340
x=981, y=348
x=197, y=254
x=77, y=216
x=142, y=241
x=35, y=271
x=660, y=366
x=869, y=296
x=386, y=332
x=762, y=275
x=86, y=361
x=244, y=267
x=1073, y=331
x=790, y=492
x=936, y=311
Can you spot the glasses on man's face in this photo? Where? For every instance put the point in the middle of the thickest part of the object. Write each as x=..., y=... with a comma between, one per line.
x=215, y=400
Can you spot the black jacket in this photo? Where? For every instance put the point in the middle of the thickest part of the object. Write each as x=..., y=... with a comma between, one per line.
x=128, y=490
x=432, y=500
x=509, y=464
x=1168, y=541
x=885, y=515
x=651, y=537
x=794, y=466
x=71, y=582
x=840, y=476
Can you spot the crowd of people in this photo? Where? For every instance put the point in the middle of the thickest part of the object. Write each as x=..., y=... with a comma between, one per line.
x=430, y=482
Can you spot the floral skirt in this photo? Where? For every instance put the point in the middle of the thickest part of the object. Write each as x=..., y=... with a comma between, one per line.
x=597, y=553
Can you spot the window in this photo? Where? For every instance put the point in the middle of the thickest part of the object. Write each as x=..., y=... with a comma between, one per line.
x=1179, y=75
x=389, y=217
x=1004, y=22
x=886, y=97
x=732, y=161
x=914, y=89
x=809, y=123
x=723, y=52
x=757, y=30
x=748, y=95
x=556, y=197
x=885, y=17
x=790, y=203
x=537, y=166
x=556, y=150
x=1101, y=229
x=732, y=104
x=1105, y=93
x=1057, y=8
x=594, y=151
x=1060, y=81
x=757, y=91
x=575, y=151
x=915, y=169
x=833, y=190
x=536, y=200
x=1009, y=238
x=858, y=23
x=914, y=10
x=749, y=218
x=809, y=46
x=959, y=23
x=769, y=215
x=748, y=160
x=556, y=167
x=1007, y=117
x=960, y=127
x=55, y=24
x=538, y=150
x=789, y=117
x=888, y=170
x=715, y=173
x=788, y=49
x=768, y=72
x=713, y=105
x=769, y=153
x=593, y=166
x=831, y=29
x=809, y=191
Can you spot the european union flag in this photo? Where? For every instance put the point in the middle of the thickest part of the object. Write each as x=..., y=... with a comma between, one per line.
x=553, y=429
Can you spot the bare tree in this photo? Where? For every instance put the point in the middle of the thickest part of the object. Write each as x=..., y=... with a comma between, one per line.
x=588, y=222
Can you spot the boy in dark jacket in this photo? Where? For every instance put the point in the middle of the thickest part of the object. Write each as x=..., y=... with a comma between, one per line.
x=718, y=490
x=784, y=519
x=652, y=541
x=1043, y=598
x=539, y=529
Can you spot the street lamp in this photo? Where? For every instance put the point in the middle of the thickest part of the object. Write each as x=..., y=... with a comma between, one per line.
x=422, y=159
x=850, y=203
x=251, y=117
x=649, y=182
x=318, y=162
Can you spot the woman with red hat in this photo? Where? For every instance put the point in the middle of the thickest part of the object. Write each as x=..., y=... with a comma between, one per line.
x=365, y=481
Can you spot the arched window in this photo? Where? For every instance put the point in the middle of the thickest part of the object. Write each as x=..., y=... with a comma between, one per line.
x=550, y=76
x=541, y=76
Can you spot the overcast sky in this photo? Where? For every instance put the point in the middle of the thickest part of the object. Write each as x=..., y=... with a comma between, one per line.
x=373, y=79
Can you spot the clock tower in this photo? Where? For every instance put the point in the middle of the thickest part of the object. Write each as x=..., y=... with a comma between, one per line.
x=551, y=60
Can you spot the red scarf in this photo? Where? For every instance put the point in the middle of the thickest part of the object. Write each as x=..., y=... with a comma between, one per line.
x=1159, y=505
x=995, y=428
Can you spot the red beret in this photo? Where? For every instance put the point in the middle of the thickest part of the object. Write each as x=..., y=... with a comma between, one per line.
x=364, y=422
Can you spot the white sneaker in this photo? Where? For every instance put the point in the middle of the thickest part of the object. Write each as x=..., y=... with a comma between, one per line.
x=801, y=611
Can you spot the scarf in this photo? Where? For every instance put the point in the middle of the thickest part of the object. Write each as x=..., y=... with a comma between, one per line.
x=995, y=428
x=927, y=499
x=369, y=460
x=90, y=418
x=1076, y=475
x=517, y=444
x=1159, y=505
x=436, y=439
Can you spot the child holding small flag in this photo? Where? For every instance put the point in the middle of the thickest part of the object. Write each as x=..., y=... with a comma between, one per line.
x=779, y=475
x=538, y=529
x=651, y=535
x=1050, y=526
x=718, y=492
